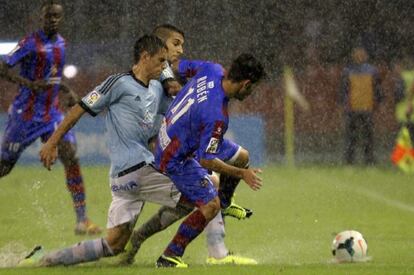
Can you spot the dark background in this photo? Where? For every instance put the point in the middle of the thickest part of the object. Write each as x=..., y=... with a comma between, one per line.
x=278, y=31
x=314, y=37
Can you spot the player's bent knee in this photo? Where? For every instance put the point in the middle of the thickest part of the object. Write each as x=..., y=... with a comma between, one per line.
x=211, y=209
x=215, y=178
x=118, y=237
x=68, y=158
x=5, y=167
x=67, y=154
x=117, y=246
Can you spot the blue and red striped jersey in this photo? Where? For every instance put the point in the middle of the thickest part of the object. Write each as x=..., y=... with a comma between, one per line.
x=197, y=119
x=40, y=58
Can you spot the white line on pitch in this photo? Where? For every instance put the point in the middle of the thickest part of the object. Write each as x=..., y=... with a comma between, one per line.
x=390, y=202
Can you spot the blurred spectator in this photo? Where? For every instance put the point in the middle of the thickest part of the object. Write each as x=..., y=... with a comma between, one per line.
x=359, y=94
x=403, y=94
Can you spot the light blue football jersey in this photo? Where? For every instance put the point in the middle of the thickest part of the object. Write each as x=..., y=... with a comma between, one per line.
x=132, y=117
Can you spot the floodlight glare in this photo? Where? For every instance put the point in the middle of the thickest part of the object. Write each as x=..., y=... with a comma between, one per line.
x=70, y=71
x=7, y=47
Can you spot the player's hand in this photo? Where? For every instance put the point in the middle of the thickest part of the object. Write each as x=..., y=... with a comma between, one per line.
x=251, y=178
x=152, y=144
x=38, y=85
x=171, y=86
x=48, y=155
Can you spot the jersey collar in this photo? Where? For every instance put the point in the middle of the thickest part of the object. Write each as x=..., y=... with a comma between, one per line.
x=137, y=80
x=44, y=37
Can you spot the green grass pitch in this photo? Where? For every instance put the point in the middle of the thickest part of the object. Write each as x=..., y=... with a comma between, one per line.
x=297, y=213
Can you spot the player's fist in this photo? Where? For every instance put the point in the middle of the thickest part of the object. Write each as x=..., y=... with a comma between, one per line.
x=172, y=87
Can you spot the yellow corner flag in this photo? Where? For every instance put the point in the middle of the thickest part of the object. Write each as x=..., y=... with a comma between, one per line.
x=403, y=154
x=292, y=94
x=292, y=89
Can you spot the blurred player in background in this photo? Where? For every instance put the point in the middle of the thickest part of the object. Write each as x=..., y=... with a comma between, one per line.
x=195, y=124
x=360, y=94
x=404, y=95
x=230, y=153
x=35, y=112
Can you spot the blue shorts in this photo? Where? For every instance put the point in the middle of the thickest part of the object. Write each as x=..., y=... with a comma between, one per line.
x=19, y=134
x=193, y=182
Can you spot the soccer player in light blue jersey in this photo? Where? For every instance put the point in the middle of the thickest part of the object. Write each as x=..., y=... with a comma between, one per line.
x=35, y=112
x=194, y=125
x=230, y=152
x=132, y=100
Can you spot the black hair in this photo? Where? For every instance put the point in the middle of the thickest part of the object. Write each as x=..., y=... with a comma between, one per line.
x=46, y=3
x=246, y=66
x=147, y=43
x=163, y=31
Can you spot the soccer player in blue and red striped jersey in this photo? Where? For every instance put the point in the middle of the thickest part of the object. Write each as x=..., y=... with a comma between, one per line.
x=34, y=112
x=195, y=124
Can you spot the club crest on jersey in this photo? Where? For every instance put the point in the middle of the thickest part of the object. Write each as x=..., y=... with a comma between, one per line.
x=54, y=70
x=212, y=147
x=92, y=98
x=148, y=117
x=218, y=129
x=204, y=182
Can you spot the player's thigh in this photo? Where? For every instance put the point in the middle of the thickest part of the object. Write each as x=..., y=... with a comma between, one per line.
x=156, y=187
x=18, y=135
x=210, y=209
x=194, y=183
x=67, y=151
x=125, y=206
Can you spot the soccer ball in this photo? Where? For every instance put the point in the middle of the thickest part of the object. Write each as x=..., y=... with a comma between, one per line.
x=349, y=246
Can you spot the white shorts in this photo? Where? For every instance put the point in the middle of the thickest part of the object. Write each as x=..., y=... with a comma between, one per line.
x=129, y=192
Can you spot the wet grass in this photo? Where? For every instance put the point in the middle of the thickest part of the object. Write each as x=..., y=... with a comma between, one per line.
x=297, y=213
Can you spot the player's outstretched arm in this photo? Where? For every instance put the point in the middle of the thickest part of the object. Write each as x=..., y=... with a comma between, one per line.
x=250, y=175
x=48, y=152
x=11, y=76
x=71, y=97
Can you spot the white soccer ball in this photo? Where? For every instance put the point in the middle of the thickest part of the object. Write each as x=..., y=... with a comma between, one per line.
x=349, y=246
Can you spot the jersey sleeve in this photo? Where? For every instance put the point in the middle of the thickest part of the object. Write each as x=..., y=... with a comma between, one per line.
x=189, y=68
x=23, y=49
x=213, y=123
x=167, y=73
x=103, y=95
